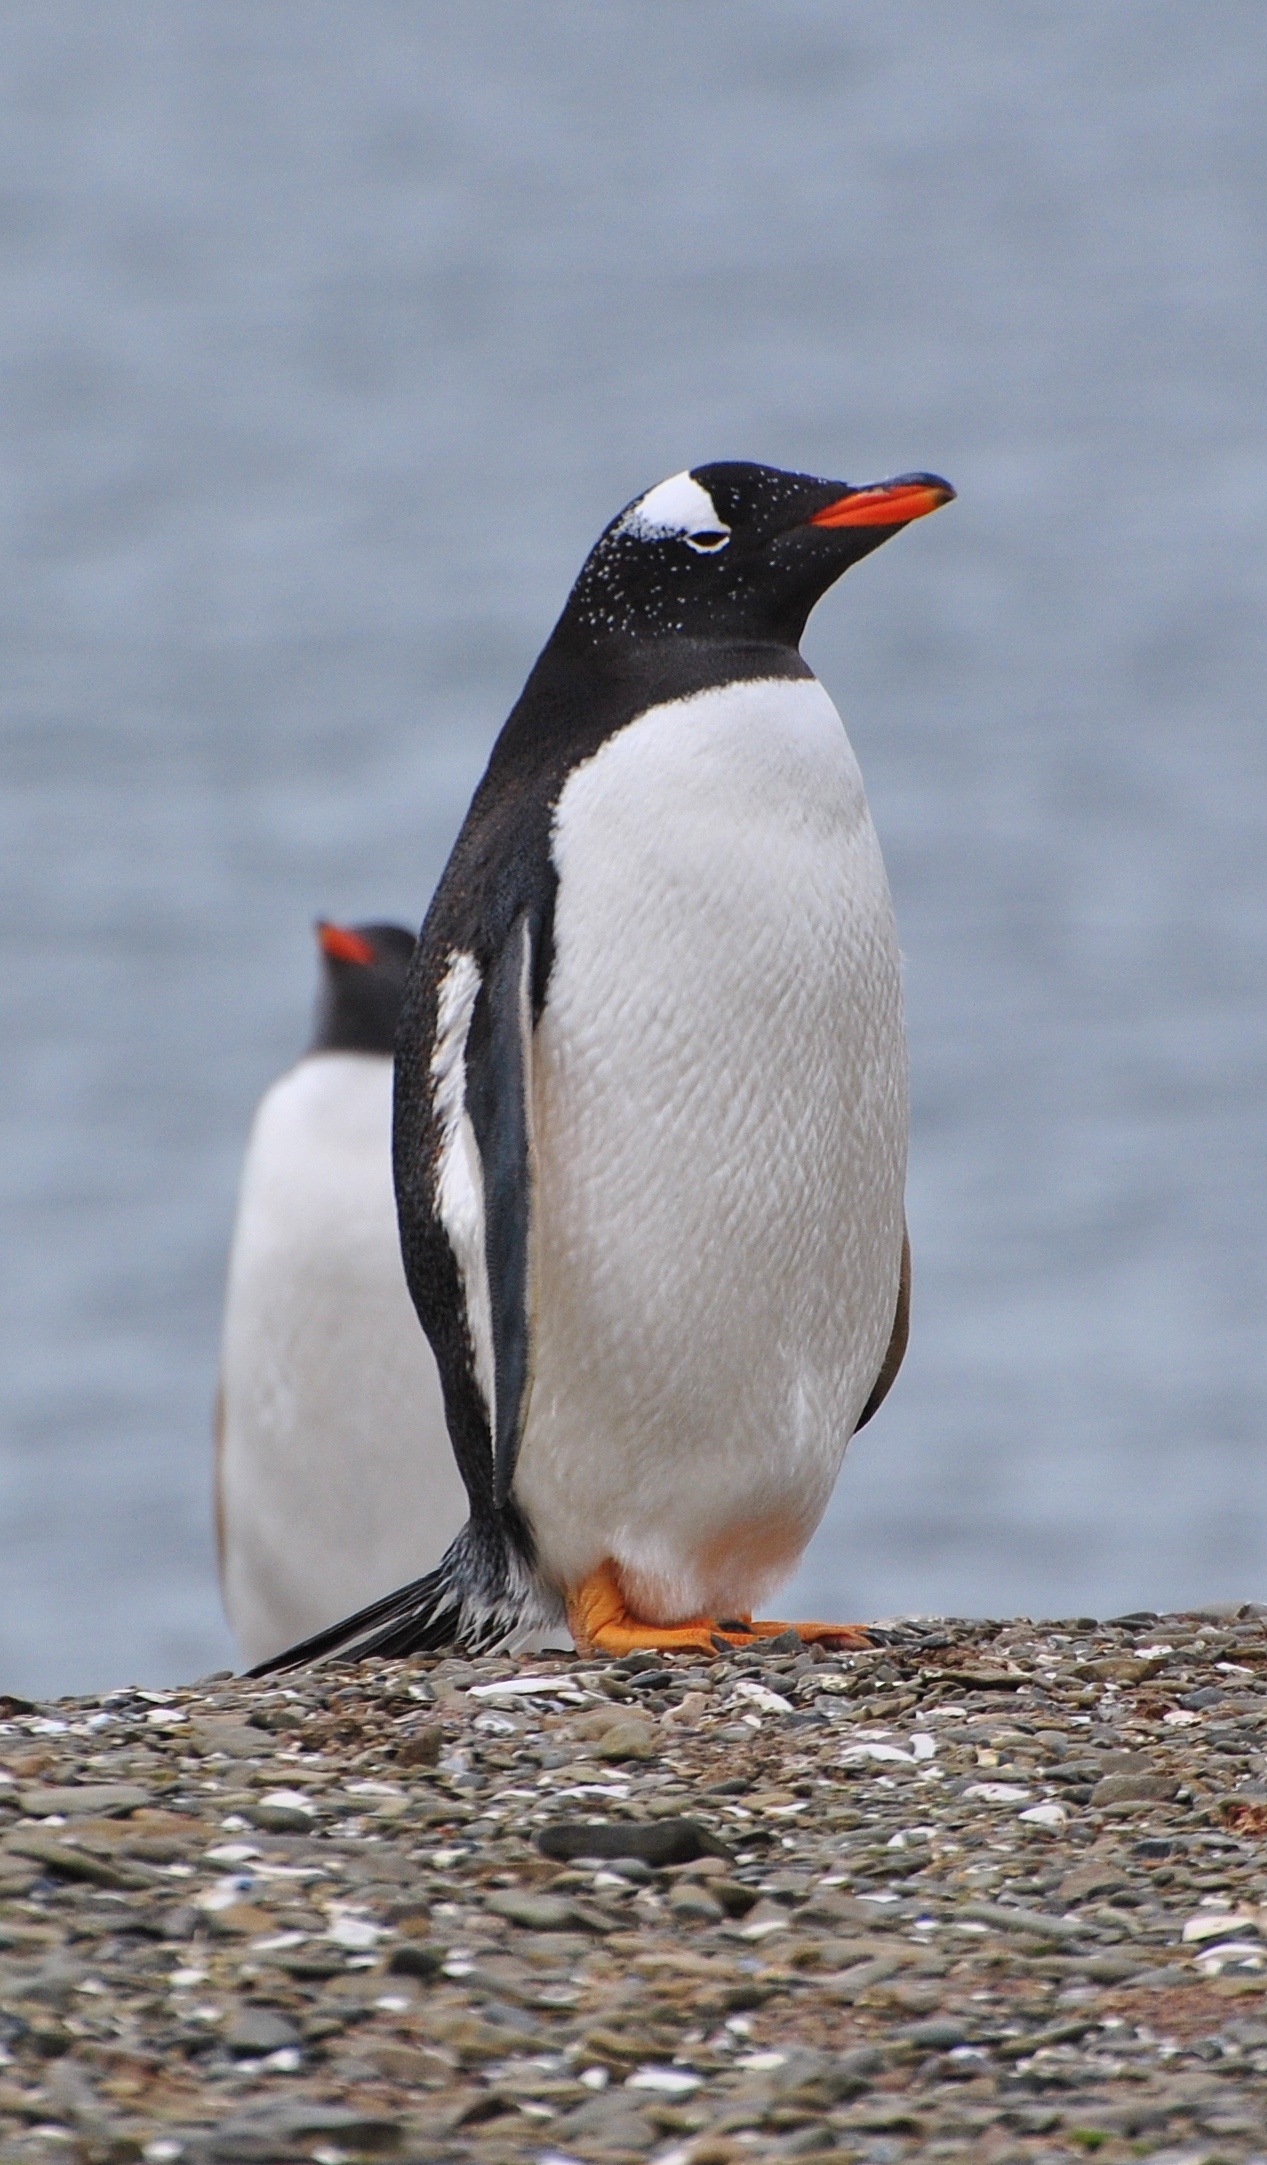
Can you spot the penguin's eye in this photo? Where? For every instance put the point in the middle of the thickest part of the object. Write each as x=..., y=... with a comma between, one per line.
x=708, y=542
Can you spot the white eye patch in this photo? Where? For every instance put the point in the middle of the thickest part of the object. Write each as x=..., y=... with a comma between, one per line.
x=678, y=508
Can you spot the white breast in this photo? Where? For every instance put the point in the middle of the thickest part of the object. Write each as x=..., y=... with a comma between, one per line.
x=337, y=1479
x=720, y=1082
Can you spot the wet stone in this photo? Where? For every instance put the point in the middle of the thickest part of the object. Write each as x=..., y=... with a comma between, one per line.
x=626, y=1740
x=615, y=2121
x=1134, y=1788
x=64, y=1861
x=278, y=1818
x=422, y=1748
x=1097, y=1876
x=691, y=1903
x=287, y=2122
x=939, y=2035
x=234, y=1738
x=417, y=1959
x=663, y=1842
x=238, y=1920
x=257, y=2030
x=535, y=1912
x=83, y=1801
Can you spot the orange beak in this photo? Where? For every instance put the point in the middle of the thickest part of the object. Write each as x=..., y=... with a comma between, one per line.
x=341, y=945
x=889, y=503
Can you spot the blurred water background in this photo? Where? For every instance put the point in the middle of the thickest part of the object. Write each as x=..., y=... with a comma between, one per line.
x=332, y=332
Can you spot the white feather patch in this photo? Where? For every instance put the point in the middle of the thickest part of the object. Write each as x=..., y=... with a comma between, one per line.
x=720, y=1138
x=460, y=1187
x=676, y=506
x=525, y=1039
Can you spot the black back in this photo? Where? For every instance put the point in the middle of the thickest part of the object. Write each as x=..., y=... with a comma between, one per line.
x=359, y=1000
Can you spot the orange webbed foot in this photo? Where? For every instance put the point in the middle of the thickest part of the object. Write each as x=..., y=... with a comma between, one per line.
x=600, y=1621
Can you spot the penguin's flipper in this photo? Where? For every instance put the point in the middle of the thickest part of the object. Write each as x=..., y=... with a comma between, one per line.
x=897, y=1343
x=600, y=1621
x=499, y=1103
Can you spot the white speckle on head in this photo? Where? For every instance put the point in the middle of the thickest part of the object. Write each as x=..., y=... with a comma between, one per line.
x=678, y=506
x=460, y=1184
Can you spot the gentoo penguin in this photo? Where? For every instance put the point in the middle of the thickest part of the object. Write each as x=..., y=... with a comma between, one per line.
x=651, y=1113
x=334, y=1474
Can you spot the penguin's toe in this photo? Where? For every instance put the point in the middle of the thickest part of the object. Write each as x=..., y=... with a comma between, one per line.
x=840, y=1636
x=601, y=1621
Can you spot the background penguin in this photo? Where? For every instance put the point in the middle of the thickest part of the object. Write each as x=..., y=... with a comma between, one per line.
x=334, y=1473
x=651, y=1114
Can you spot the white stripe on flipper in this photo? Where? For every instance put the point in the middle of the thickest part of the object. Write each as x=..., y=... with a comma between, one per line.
x=525, y=1039
x=460, y=1186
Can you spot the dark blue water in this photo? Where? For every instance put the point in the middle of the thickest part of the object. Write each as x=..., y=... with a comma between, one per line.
x=331, y=334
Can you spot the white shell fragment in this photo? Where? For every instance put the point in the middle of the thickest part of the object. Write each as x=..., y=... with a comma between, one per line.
x=760, y=1695
x=1216, y=1924
x=528, y=1687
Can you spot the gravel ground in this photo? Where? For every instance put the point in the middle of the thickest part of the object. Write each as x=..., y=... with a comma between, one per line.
x=988, y=1891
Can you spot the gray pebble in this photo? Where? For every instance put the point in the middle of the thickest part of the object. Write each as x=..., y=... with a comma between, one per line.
x=106, y=1800
x=535, y=1912
x=256, y=2030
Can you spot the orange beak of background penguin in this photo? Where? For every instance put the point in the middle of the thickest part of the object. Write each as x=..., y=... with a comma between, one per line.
x=342, y=945
x=889, y=503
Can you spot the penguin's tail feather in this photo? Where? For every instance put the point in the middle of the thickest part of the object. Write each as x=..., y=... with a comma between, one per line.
x=417, y=1619
x=482, y=1594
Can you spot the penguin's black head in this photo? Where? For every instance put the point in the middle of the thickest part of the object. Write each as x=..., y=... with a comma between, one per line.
x=733, y=551
x=363, y=972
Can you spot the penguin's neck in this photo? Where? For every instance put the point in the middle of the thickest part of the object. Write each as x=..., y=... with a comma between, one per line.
x=582, y=689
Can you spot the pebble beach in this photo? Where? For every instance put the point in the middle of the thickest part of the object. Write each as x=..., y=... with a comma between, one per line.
x=981, y=1891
